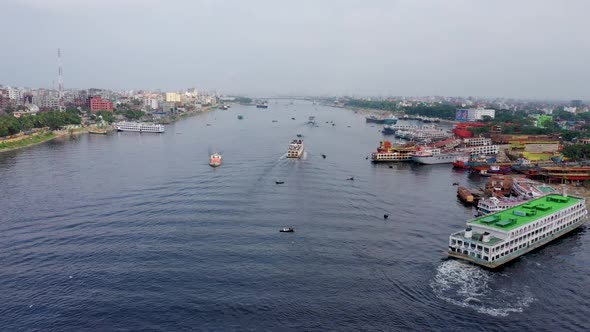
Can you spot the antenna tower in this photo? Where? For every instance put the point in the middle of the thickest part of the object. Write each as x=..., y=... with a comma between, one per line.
x=60, y=81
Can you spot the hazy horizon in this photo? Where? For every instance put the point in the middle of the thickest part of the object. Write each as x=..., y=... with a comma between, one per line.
x=525, y=50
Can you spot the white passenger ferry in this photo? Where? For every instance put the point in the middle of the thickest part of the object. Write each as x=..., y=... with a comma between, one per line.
x=141, y=127
x=498, y=238
x=487, y=150
x=429, y=156
x=295, y=149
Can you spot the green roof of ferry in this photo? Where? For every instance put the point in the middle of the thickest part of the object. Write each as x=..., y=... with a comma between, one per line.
x=527, y=212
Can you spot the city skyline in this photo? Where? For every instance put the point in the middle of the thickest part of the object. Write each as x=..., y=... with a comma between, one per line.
x=528, y=50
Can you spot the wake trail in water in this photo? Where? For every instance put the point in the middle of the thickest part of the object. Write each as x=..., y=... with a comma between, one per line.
x=484, y=291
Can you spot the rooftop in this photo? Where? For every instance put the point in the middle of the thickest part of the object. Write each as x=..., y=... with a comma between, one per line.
x=525, y=213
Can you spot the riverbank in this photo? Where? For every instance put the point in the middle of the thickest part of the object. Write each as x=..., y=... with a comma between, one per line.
x=46, y=136
x=26, y=141
x=174, y=118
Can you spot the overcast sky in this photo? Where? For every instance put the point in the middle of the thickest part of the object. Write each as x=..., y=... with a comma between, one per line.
x=517, y=48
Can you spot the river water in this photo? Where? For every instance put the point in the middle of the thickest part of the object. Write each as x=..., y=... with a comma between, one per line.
x=136, y=232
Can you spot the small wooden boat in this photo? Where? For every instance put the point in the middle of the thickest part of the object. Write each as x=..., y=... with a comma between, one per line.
x=323, y=156
x=97, y=131
x=279, y=182
x=240, y=117
x=287, y=230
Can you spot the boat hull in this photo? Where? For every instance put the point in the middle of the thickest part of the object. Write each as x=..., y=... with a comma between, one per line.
x=435, y=159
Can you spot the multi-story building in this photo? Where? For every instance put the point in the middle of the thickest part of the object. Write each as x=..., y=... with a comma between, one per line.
x=98, y=104
x=474, y=114
x=172, y=97
x=4, y=100
x=151, y=102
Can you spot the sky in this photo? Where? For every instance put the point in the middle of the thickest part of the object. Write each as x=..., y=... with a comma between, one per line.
x=513, y=49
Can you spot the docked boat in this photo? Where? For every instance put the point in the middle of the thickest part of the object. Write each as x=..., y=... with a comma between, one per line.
x=296, y=149
x=500, y=237
x=387, y=152
x=490, y=149
x=565, y=173
x=500, y=169
x=430, y=156
x=426, y=132
x=524, y=187
x=388, y=130
x=374, y=119
x=390, y=120
x=215, y=160
x=465, y=195
x=97, y=131
x=141, y=127
x=495, y=204
x=287, y=230
x=461, y=162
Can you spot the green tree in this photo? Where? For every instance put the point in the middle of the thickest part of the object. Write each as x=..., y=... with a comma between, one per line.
x=106, y=115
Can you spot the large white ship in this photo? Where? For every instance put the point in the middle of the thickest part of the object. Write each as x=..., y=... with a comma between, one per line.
x=295, y=149
x=140, y=127
x=483, y=150
x=498, y=238
x=430, y=156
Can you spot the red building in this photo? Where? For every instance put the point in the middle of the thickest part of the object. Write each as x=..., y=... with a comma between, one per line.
x=98, y=104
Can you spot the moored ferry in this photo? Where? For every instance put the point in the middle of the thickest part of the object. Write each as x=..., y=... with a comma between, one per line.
x=524, y=187
x=295, y=149
x=483, y=149
x=495, y=204
x=140, y=127
x=498, y=238
x=387, y=152
x=430, y=156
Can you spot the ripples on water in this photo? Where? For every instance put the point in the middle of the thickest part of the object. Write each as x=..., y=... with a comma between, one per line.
x=137, y=232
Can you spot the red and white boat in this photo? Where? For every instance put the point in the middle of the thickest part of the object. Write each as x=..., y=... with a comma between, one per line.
x=215, y=160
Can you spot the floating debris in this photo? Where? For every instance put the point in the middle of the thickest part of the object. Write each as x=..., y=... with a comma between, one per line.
x=385, y=216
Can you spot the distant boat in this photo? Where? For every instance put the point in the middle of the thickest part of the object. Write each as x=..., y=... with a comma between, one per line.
x=97, y=131
x=140, y=127
x=287, y=230
x=240, y=117
x=215, y=160
x=275, y=120
x=299, y=135
x=279, y=182
x=261, y=104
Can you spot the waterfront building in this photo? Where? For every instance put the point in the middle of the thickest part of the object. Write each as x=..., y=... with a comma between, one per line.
x=498, y=238
x=98, y=104
x=474, y=114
